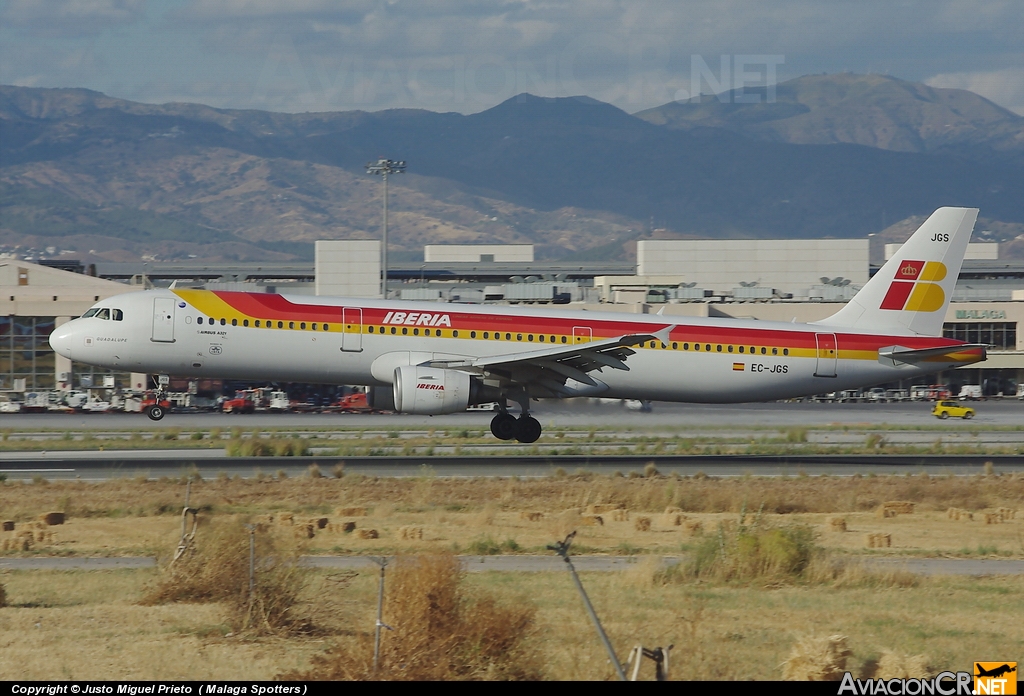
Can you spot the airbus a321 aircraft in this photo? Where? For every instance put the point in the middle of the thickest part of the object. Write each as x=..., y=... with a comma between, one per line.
x=435, y=359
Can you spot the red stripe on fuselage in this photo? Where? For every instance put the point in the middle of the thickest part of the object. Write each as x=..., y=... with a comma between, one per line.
x=276, y=307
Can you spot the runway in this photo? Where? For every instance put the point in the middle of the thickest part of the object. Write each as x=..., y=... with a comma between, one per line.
x=93, y=466
x=537, y=564
x=576, y=413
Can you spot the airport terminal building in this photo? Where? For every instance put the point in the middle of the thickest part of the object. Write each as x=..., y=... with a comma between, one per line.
x=777, y=280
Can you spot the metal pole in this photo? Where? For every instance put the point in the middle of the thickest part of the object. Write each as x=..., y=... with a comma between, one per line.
x=380, y=609
x=562, y=549
x=384, y=249
x=252, y=560
x=384, y=168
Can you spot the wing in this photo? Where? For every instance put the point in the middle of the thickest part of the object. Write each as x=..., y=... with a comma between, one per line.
x=558, y=371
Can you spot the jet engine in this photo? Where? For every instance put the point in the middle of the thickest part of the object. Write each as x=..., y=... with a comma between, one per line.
x=430, y=391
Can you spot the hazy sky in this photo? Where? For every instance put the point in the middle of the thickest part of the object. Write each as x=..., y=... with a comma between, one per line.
x=444, y=55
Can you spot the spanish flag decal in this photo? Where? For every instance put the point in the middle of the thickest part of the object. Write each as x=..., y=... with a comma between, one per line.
x=737, y=367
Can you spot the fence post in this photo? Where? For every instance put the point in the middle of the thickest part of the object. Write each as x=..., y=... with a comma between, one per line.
x=383, y=562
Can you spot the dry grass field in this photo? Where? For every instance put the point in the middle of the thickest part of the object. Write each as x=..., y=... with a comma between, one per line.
x=486, y=515
x=734, y=615
x=89, y=625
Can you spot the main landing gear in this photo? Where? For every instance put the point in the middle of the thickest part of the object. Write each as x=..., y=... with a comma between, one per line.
x=505, y=426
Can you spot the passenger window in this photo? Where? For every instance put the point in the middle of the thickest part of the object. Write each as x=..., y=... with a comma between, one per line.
x=302, y=325
x=529, y=337
x=487, y=334
x=686, y=346
x=280, y=324
x=472, y=334
x=405, y=331
x=564, y=339
x=764, y=351
x=257, y=323
x=730, y=349
x=675, y=346
x=88, y=313
x=719, y=348
x=707, y=346
x=393, y=330
x=696, y=346
x=775, y=351
x=116, y=314
x=314, y=327
x=234, y=322
x=552, y=339
x=785, y=351
x=245, y=322
x=416, y=332
x=291, y=325
x=455, y=334
x=540, y=337
x=327, y=328
x=223, y=322
x=199, y=320
x=742, y=349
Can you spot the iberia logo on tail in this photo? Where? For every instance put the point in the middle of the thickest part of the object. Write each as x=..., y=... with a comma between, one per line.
x=911, y=291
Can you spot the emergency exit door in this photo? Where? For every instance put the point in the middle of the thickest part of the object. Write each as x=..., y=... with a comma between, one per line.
x=582, y=334
x=163, y=320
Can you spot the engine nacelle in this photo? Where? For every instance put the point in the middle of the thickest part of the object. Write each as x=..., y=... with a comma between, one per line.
x=429, y=391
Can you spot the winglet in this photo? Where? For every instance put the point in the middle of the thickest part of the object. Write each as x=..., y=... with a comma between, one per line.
x=664, y=334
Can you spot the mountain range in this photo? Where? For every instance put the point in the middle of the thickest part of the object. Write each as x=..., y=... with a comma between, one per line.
x=832, y=156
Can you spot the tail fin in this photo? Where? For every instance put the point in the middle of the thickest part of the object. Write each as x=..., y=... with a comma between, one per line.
x=910, y=293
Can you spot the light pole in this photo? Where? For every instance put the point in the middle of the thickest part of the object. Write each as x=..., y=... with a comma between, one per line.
x=382, y=168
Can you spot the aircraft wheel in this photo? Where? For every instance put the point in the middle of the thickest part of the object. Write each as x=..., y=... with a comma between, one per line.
x=528, y=429
x=504, y=426
x=155, y=412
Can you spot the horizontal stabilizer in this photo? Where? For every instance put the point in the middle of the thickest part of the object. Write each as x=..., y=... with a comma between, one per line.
x=899, y=354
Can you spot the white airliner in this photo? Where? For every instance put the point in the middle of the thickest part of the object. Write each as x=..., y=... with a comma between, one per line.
x=435, y=359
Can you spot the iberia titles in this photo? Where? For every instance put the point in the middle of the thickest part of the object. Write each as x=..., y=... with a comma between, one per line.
x=417, y=319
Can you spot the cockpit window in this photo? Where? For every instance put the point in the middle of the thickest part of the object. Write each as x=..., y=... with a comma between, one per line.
x=103, y=314
x=90, y=313
x=116, y=314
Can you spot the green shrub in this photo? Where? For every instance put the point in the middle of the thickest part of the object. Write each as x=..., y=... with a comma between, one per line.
x=746, y=554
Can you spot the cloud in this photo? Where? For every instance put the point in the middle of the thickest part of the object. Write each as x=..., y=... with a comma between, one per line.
x=1004, y=87
x=467, y=55
x=69, y=18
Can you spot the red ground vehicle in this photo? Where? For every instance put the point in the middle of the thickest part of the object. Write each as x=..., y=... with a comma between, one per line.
x=938, y=392
x=155, y=405
x=243, y=402
x=353, y=403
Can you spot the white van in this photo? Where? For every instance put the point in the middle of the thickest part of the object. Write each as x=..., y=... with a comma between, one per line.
x=971, y=392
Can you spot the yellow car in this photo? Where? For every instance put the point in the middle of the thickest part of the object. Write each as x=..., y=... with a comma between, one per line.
x=945, y=409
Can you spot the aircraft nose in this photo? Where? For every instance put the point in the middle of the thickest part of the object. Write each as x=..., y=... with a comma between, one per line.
x=60, y=340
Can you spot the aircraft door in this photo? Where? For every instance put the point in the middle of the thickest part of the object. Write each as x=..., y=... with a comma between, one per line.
x=163, y=320
x=352, y=329
x=828, y=353
x=582, y=334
